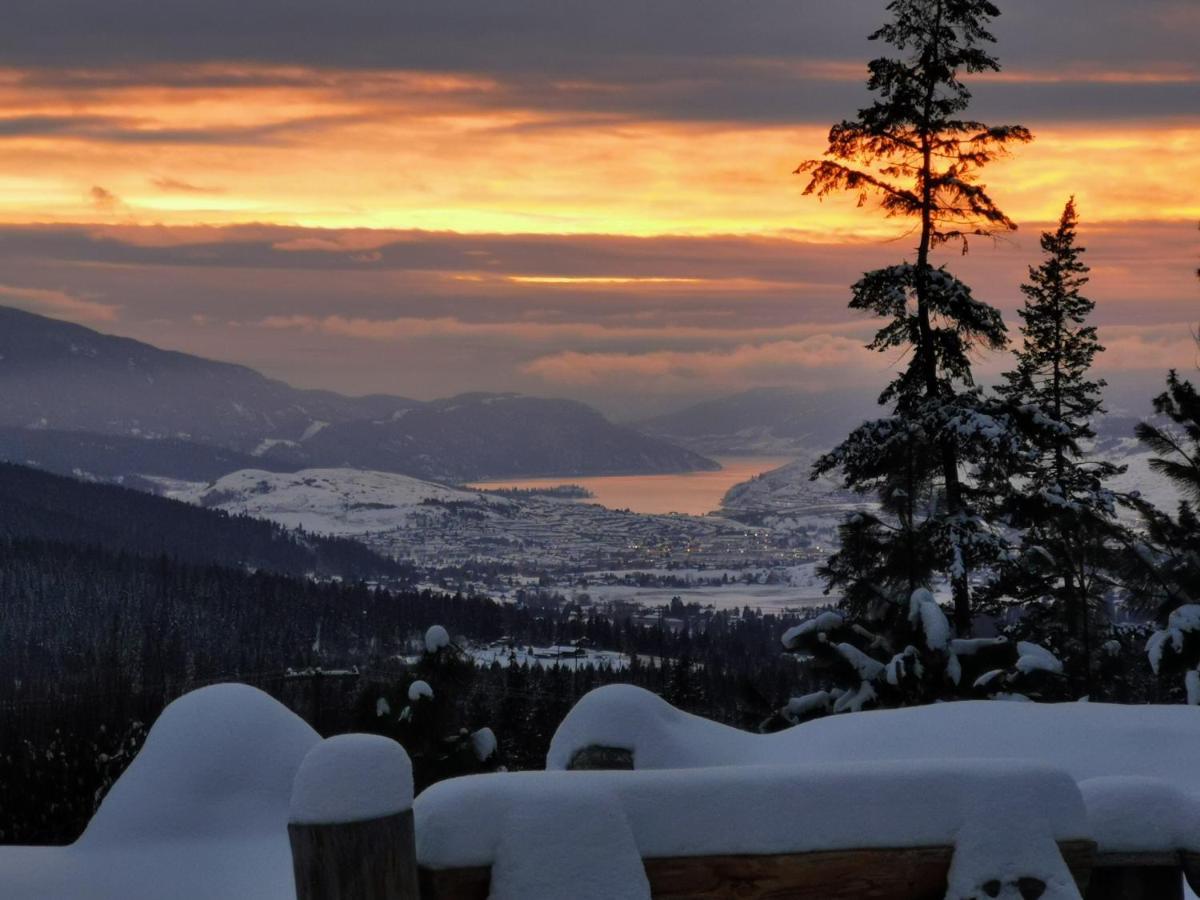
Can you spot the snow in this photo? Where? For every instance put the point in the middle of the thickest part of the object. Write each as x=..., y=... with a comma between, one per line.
x=203, y=808
x=1130, y=810
x=818, y=624
x=1084, y=740
x=571, y=658
x=595, y=858
x=991, y=861
x=483, y=742
x=868, y=668
x=757, y=809
x=436, y=638
x=1036, y=658
x=419, y=689
x=923, y=609
x=352, y=778
x=331, y=501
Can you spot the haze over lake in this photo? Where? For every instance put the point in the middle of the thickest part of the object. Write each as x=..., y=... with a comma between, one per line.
x=693, y=493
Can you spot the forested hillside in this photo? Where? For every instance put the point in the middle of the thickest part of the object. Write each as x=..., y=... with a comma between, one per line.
x=94, y=643
x=36, y=504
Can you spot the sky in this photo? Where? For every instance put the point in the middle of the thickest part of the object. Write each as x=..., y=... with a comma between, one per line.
x=561, y=197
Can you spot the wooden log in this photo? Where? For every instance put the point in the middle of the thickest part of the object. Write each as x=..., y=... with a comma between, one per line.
x=905, y=873
x=1137, y=876
x=375, y=859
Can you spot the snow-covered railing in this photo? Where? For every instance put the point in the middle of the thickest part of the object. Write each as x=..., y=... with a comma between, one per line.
x=1134, y=765
x=890, y=831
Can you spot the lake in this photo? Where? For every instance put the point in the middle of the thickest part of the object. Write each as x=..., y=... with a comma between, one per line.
x=694, y=493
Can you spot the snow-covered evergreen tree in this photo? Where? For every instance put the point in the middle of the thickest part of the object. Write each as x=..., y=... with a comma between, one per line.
x=911, y=658
x=1060, y=502
x=1164, y=562
x=914, y=151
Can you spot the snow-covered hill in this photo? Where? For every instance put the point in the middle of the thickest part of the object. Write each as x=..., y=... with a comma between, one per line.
x=335, y=501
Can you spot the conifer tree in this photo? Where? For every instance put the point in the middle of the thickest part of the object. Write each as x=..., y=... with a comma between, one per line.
x=1066, y=514
x=914, y=151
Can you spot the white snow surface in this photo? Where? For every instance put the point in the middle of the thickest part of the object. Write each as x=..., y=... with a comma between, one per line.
x=756, y=809
x=352, y=778
x=419, y=689
x=200, y=814
x=329, y=501
x=1084, y=740
x=484, y=743
x=585, y=849
x=436, y=638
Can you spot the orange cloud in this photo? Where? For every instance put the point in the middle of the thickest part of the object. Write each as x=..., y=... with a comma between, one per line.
x=406, y=150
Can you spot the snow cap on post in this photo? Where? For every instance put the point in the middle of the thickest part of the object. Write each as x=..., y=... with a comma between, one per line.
x=352, y=778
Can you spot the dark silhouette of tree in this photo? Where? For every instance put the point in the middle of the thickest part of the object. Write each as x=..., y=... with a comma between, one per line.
x=1060, y=501
x=914, y=151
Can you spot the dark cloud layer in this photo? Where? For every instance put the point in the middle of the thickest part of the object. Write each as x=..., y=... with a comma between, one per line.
x=680, y=59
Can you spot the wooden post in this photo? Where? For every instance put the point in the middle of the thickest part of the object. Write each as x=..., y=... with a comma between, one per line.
x=351, y=828
x=371, y=860
x=1136, y=876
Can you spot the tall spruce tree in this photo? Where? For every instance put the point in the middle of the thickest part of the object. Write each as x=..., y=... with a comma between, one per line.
x=914, y=151
x=1059, y=501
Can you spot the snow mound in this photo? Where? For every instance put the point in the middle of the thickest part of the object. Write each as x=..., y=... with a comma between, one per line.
x=1151, y=744
x=352, y=778
x=736, y=810
x=218, y=762
x=595, y=858
x=659, y=735
x=200, y=814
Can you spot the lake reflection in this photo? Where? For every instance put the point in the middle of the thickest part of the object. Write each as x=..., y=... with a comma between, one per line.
x=694, y=493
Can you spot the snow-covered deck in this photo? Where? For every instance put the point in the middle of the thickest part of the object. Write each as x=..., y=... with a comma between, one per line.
x=964, y=797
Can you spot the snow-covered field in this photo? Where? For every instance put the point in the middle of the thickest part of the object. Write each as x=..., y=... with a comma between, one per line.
x=349, y=502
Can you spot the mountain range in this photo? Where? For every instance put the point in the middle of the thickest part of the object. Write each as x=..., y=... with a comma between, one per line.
x=120, y=408
x=770, y=421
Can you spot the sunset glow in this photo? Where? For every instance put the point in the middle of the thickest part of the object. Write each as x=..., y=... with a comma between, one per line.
x=568, y=220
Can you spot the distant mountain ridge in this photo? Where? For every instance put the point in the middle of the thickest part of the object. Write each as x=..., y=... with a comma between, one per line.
x=765, y=421
x=58, y=376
